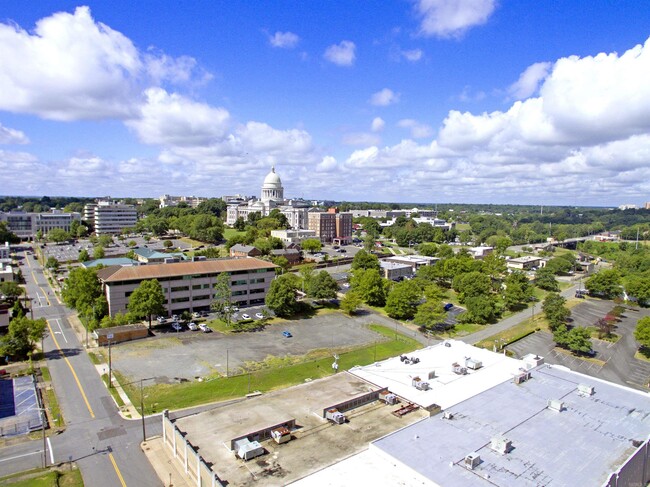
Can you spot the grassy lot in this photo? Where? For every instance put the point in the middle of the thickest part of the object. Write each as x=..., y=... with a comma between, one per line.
x=45, y=478
x=595, y=333
x=113, y=391
x=191, y=241
x=95, y=359
x=463, y=226
x=52, y=403
x=231, y=232
x=167, y=396
x=642, y=355
x=516, y=332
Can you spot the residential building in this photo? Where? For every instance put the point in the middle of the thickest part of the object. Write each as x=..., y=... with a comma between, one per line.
x=239, y=250
x=292, y=255
x=331, y=226
x=293, y=235
x=191, y=201
x=27, y=225
x=109, y=217
x=272, y=197
x=189, y=286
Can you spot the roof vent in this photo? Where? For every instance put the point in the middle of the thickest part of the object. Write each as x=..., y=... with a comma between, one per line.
x=473, y=364
x=522, y=376
x=585, y=390
x=472, y=461
x=555, y=405
x=447, y=415
x=501, y=444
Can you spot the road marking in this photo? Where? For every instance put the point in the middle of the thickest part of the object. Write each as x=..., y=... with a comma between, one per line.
x=20, y=456
x=49, y=445
x=59, y=325
x=117, y=470
x=74, y=374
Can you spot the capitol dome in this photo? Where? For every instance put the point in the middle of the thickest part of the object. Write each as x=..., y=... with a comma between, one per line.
x=272, y=187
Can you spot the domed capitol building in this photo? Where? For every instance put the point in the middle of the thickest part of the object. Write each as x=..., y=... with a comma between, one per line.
x=272, y=197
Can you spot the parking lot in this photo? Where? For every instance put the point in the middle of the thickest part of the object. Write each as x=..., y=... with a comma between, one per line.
x=191, y=354
x=613, y=361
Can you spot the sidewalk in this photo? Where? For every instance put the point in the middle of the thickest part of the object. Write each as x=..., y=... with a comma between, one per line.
x=169, y=470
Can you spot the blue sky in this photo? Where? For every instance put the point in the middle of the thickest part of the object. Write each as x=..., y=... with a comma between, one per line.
x=481, y=101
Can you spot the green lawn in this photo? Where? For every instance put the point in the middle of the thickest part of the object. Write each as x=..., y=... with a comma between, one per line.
x=45, y=478
x=231, y=232
x=515, y=333
x=52, y=403
x=113, y=391
x=168, y=396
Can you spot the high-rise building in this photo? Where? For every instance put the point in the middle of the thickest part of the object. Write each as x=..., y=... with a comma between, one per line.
x=331, y=226
x=110, y=218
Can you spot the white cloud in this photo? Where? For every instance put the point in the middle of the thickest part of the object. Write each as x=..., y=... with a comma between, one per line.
x=284, y=40
x=418, y=130
x=341, y=54
x=328, y=164
x=377, y=124
x=452, y=18
x=384, y=98
x=361, y=138
x=72, y=68
x=529, y=81
x=12, y=136
x=412, y=55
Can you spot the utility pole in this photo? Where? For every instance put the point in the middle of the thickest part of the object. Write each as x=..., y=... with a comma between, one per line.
x=227, y=369
x=144, y=433
x=110, y=363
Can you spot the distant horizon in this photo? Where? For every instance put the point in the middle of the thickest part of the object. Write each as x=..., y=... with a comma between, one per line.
x=459, y=100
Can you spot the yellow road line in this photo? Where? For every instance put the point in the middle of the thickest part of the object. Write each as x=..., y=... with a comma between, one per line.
x=117, y=470
x=74, y=374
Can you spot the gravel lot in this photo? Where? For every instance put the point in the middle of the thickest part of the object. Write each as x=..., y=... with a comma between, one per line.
x=189, y=355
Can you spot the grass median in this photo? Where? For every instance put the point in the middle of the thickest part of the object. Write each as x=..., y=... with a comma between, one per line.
x=176, y=396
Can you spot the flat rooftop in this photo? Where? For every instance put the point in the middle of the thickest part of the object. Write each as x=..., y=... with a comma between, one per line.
x=581, y=445
x=317, y=443
x=447, y=388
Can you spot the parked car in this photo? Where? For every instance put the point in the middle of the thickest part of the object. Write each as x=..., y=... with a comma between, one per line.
x=161, y=319
x=259, y=316
x=177, y=326
x=193, y=326
x=175, y=317
x=448, y=306
x=204, y=328
x=246, y=317
x=196, y=314
x=287, y=334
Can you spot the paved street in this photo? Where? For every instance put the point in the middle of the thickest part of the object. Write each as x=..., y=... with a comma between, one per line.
x=105, y=446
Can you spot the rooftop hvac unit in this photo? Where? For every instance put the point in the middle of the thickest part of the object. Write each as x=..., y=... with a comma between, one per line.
x=585, y=390
x=470, y=363
x=522, y=376
x=448, y=415
x=501, y=445
x=281, y=435
x=335, y=416
x=432, y=375
x=472, y=461
x=419, y=384
x=388, y=397
x=247, y=449
x=458, y=369
x=555, y=405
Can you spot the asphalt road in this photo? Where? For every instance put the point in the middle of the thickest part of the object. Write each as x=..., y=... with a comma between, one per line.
x=105, y=447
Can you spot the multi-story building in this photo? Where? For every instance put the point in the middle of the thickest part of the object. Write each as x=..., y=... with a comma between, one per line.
x=110, y=218
x=293, y=236
x=272, y=197
x=192, y=201
x=189, y=286
x=27, y=225
x=5, y=251
x=331, y=226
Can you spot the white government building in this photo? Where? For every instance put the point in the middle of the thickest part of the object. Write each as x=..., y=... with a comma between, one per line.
x=272, y=197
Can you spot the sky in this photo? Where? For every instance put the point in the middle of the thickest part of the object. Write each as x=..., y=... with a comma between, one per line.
x=424, y=101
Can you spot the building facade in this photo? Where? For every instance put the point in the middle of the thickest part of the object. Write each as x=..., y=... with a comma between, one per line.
x=189, y=286
x=331, y=226
x=27, y=225
x=293, y=236
x=271, y=197
x=110, y=218
x=192, y=201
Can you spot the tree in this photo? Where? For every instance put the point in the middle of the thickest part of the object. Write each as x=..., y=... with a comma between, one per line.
x=306, y=275
x=559, y=265
x=7, y=235
x=52, y=264
x=147, y=299
x=370, y=285
x=58, y=235
x=555, y=310
x=518, y=290
x=545, y=279
x=642, y=332
x=11, y=290
x=281, y=297
x=283, y=264
x=81, y=289
x=323, y=286
x=639, y=288
x=168, y=244
x=239, y=224
x=222, y=303
x=105, y=240
x=578, y=340
x=364, y=260
x=481, y=309
x=312, y=245
x=606, y=283
x=351, y=302
x=605, y=327
x=430, y=314
x=83, y=256
x=21, y=339
x=472, y=284
x=402, y=300
x=428, y=249
x=99, y=252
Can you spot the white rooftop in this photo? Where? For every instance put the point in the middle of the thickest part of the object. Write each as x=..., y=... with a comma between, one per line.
x=447, y=388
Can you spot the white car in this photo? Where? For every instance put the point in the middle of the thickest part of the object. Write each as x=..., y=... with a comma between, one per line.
x=161, y=319
x=193, y=326
x=196, y=314
x=204, y=328
x=259, y=316
x=177, y=326
x=175, y=317
x=245, y=317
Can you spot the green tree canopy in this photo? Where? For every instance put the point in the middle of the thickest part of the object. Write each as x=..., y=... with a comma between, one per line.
x=403, y=299
x=642, y=332
x=555, y=310
x=22, y=336
x=52, y=263
x=11, y=290
x=147, y=299
x=7, y=235
x=222, y=303
x=545, y=279
x=606, y=283
x=311, y=245
x=638, y=287
x=281, y=297
x=83, y=256
x=365, y=260
x=370, y=286
x=99, y=252
x=351, y=302
x=430, y=314
x=81, y=289
x=472, y=284
x=323, y=286
x=58, y=235
x=518, y=290
x=481, y=309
